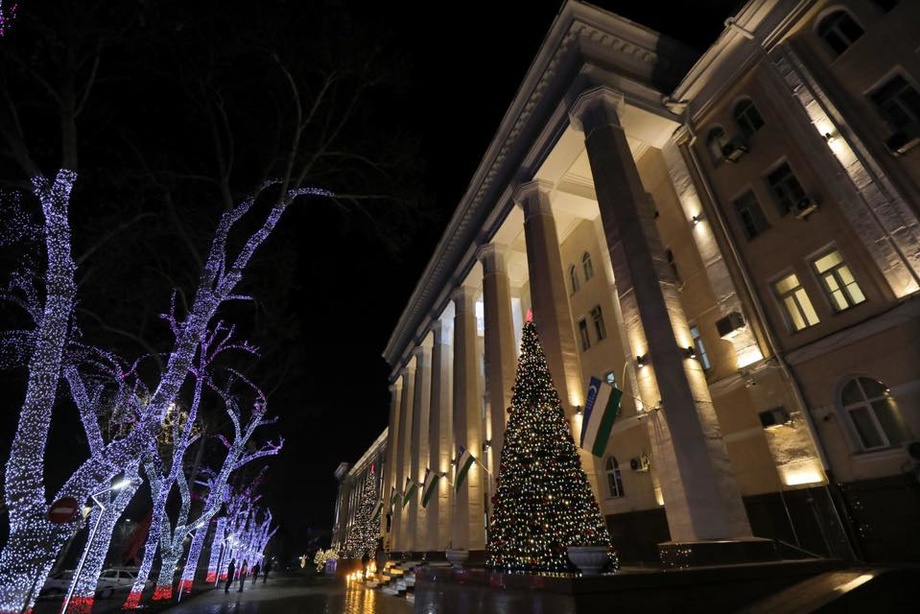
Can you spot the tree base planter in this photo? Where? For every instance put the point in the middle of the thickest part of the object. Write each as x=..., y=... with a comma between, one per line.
x=457, y=558
x=590, y=560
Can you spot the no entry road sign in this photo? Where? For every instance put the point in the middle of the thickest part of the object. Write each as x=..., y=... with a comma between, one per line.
x=63, y=510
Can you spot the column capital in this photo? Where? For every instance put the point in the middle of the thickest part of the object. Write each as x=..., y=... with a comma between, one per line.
x=462, y=297
x=533, y=197
x=596, y=107
x=492, y=257
x=420, y=352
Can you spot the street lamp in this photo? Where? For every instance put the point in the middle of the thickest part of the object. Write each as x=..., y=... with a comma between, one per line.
x=92, y=534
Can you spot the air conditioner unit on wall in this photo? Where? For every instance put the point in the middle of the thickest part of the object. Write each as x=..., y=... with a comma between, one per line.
x=731, y=325
x=640, y=463
x=774, y=417
x=805, y=207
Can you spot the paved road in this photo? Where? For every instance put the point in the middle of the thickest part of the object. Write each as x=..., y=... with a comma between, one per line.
x=294, y=596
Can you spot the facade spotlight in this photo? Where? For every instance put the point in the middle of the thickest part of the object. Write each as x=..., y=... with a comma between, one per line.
x=641, y=359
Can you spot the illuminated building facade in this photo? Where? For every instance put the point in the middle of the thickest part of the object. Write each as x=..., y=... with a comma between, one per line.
x=352, y=481
x=733, y=240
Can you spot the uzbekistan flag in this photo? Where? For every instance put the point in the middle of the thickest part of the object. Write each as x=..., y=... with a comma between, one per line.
x=429, y=486
x=601, y=409
x=464, y=462
x=411, y=488
x=395, y=498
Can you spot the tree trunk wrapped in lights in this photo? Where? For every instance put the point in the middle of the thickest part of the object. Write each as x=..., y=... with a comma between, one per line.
x=543, y=503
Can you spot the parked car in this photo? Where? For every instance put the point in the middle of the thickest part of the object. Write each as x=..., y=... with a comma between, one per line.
x=58, y=584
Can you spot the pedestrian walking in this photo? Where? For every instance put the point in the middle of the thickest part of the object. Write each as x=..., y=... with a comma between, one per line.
x=268, y=566
x=255, y=573
x=230, y=569
x=243, y=571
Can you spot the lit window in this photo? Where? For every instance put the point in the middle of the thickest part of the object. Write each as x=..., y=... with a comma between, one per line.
x=748, y=118
x=611, y=378
x=674, y=270
x=583, y=334
x=599, y=327
x=614, y=479
x=898, y=103
x=701, y=354
x=573, y=278
x=786, y=189
x=839, y=31
x=838, y=280
x=750, y=216
x=587, y=265
x=873, y=413
x=795, y=301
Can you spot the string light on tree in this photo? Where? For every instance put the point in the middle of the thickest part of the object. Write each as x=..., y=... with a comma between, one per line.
x=363, y=532
x=543, y=503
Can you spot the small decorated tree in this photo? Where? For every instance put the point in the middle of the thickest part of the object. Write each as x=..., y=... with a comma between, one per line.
x=364, y=530
x=543, y=503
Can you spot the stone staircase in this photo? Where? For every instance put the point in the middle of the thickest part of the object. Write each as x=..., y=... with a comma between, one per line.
x=397, y=578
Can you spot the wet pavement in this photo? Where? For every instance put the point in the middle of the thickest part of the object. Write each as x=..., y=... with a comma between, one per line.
x=280, y=595
x=294, y=596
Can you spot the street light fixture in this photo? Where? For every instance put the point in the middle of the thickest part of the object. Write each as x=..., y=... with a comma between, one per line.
x=92, y=534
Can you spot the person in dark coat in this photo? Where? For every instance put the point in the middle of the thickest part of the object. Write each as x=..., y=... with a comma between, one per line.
x=243, y=571
x=255, y=572
x=265, y=570
x=230, y=569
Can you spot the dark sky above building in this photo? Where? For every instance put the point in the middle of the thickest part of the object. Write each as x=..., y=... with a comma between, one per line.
x=466, y=61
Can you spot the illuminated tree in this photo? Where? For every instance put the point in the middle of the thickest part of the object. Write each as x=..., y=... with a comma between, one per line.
x=363, y=531
x=544, y=502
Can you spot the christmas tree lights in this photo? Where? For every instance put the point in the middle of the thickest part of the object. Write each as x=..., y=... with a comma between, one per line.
x=363, y=532
x=543, y=503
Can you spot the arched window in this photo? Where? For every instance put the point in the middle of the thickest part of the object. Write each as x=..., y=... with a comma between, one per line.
x=614, y=479
x=872, y=413
x=587, y=265
x=839, y=31
x=714, y=143
x=748, y=118
x=573, y=278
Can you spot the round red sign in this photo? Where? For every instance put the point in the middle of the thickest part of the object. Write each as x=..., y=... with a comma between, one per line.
x=63, y=510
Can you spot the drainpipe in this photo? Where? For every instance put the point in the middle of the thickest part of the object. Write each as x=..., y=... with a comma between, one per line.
x=848, y=529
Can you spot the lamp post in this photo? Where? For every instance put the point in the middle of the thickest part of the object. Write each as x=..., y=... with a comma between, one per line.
x=92, y=534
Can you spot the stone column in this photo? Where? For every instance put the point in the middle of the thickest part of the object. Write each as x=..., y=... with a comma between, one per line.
x=419, y=456
x=501, y=362
x=550, y=303
x=389, y=477
x=468, y=530
x=402, y=455
x=702, y=499
x=440, y=436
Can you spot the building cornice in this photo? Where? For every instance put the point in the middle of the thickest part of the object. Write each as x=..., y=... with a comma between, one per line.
x=373, y=451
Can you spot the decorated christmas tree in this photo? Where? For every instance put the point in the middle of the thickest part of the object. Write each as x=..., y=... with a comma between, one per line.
x=364, y=529
x=543, y=503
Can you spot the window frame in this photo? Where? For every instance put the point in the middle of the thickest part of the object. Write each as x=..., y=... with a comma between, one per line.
x=890, y=107
x=615, y=488
x=587, y=265
x=715, y=141
x=746, y=114
x=573, y=278
x=785, y=188
x=795, y=295
x=740, y=205
x=824, y=29
x=701, y=354
x=675, y=271
x=583, y=334
x=843, y=287
x=600, y=326
x=866, y=403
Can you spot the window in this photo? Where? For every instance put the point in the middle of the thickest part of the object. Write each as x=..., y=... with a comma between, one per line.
x=898, y=103
x=587, y=265
x=786, y=189
x=701, y=354
x=674, y=270
x=599, y=327
x=839, y=31
x=750, y=215
x=714, y=144
x=748, y=118
x=796, y=302
x=873, y=413
x=573, y=278
x=614, y=479
x=583, y=334
x=838, y=281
